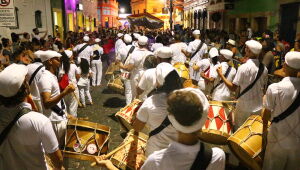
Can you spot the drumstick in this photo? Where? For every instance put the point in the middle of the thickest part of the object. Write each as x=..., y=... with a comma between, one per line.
x=114, y=151
x=79, y=103
x=233, y=101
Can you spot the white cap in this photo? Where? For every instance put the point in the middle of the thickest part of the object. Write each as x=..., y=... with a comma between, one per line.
x=231, y=42
x=97, y=40
x=38, y=53
x=143, y=40
x=86, y=38
x=226, y=53
x=164, y=52
x=198, y=124
x=254, y=46
x=11, y=79
x=196, y=32
x=49, y=54
x=127, y=38
x=120, y=35
x=69, y=53
x=213, y=52
x=162, y=71
x=136, y=35
x=292, y=59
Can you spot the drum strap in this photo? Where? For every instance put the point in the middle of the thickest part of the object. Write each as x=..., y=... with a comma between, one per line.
x=259, y=73
x=7, y=129
x=129, y=52
x=197, y=50
x=59, y=111
x=34, y=74
x=288, y=111
x=161, y=127
x=221, y=81
x=203, y=158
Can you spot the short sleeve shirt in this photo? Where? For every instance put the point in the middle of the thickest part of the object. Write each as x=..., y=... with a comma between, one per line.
x=147, y=82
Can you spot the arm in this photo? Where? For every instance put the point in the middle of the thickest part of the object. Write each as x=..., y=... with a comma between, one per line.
x=187, y=54
x=266, y=115
x=139, y=91
x=44, y=36
x=128, y=67
x=210, y=79
x=138, y=125
x=57, y=159
x=229, y=84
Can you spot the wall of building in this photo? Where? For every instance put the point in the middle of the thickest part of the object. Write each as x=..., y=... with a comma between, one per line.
x=107, y=13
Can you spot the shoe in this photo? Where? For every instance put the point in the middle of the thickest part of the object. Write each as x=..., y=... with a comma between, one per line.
x=90, y=103
x=81, y=106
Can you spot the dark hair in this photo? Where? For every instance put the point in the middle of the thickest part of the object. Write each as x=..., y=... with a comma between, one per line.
x=65, y=62
x=270, y=45
x=25, y=34
x=18, y=52
x=14, y=37
x=185, y=107
x=16, y=99
x=158, y=39
x=59, y=45
x=5, y=42
x=172, y=82
x=177, y=37
x=150, y=62
x=84, y=66
x=214, y=60
x=1, y=47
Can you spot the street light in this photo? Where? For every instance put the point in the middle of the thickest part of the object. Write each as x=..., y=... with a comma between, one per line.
x=122, y=10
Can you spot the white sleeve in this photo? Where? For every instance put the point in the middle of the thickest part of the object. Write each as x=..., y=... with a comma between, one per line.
x=190, y=48
x=44, y=84
x=269, y=102
x=48, y=137
x=238, y=79
x=142, y=113
x=101, y=51
x=144, y=83
x=150, y=163
x=217, y=160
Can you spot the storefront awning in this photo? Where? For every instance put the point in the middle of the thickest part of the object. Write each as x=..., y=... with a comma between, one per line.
x=146, y=20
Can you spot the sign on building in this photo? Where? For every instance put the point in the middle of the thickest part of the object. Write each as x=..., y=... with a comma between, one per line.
x=7, y=13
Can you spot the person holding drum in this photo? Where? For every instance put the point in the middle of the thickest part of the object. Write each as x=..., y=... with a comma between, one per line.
x=25, y=135
x=281, y=104
x=251, y=78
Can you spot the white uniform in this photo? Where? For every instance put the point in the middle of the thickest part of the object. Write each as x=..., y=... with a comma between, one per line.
x=222, y=93
x=251, y=102
x=49, y=83
x=30, y=137
x=153, y=111
x=192, y=47
x=178, y=56
x=283, y=148
x=156, y=46
x=204, y=65
x=181, y=157
x=86, y=53
x=84, y=86
x=137, y=59
x=118, y=44
x=147, y=82
x=34, y=90
x=97, y=67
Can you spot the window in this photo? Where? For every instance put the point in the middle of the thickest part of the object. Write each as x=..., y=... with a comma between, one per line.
x=38, y=19
x=17, y=19
x=154, y=10
x=145, y=10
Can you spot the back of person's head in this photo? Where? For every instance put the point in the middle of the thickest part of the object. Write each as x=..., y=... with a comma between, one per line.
x=14, y=37
x=17, y=53
x=84, y=66
x=172, y=82
x=65, y=61
x=177, y=37
x=5, y=42
x=59, y=45
x=159, y=39
x=150, y=62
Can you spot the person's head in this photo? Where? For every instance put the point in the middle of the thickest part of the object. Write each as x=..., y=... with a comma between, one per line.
x=150, y=62
x=177, y=37
x=267, y=45
x=18, y=54
x=14, y=87
x=253, y=49
x=230, y=43
x=6, y=42
x=143, y=42
x=187, y=110
x=14, y=37
x=225, y=55
x=36, y=31
x=26, y=35
x=159, y=39
x=65, y=62
x=291, y=65
x=120, y=35
x=127, y=39
x=51, y=60
x=164, y=54
x=213, y=54
x=196, y=34
x=97, y=41
x=84, y=66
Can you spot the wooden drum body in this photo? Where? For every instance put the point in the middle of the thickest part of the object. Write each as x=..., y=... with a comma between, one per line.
x=84, y=140
x=112, y=68
x=116, y=84
x=182, y=70
x=131, y=156
x=218, y=126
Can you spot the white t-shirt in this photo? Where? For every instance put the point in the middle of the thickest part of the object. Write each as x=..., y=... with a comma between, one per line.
x=84, y=78
x=71, y=74
x=33, y=86
x=118, y=44
x=86, y=53
x=30, y=137
x=153, y=112
x=147, y=82
x=204, y=65
x=49, y=83
x=156, y=46
x=137, y=59
x=178, y=56
x=246, y=74
x=123, y=53
x=181, y=157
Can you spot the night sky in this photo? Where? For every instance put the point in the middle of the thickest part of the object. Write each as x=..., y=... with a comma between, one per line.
x=125, y=4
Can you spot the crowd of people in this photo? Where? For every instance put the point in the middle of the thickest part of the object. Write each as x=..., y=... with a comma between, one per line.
x=44, y=80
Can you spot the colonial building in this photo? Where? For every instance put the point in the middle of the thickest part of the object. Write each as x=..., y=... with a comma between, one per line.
x=107, y=13
x=195, y=14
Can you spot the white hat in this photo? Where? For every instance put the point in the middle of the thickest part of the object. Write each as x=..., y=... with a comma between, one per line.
x=143, y=40
x=120, y=35
x=86, y=38
x=162, y=71
x=254, y=46
x=198, y=124
x=136, y=35
x=196, y=32
x=97, y=40
x=38, y=53
x=69, y=53
x=226, y=53
x=49, y=54
x=11, y=79
x=164, y=52
x=213, y=52
x=127, y=38
x=231, y=42
x=292, y=59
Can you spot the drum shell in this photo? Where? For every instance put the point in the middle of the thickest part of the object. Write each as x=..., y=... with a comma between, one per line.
x=112, y=69
x=116, y=84
x=182, y=70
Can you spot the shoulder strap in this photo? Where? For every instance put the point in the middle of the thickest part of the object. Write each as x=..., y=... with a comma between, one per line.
x=7, y=129
x=199, y=47
x=259, y=73
x=59, y=111
x=129, y=52
x=161, y=127
x=82, y=48
x=203, y=158
x=221, y=81
x=34, y=74
x=291, y=109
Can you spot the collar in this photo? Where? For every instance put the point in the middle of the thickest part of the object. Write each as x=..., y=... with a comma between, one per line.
x=24, y=105
x=255, y=61
x=291, y=79
x=185, y=148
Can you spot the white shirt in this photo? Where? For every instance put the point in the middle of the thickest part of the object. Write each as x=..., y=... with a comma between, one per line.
x=137, y=59
x=71, y=75
x=156, y=46
x=33, y=86
x=181, y=157
x=204, y=64
x=279, y=97
x=123, y=53
x=118, y=44
x=246, y=73
x=86, y=53
x=30, y=137
x=147, y=82
x=153, y=112
x=97, y=47
x=178, y=56
x=222, y=92
x=49, y=83
x=84, y=78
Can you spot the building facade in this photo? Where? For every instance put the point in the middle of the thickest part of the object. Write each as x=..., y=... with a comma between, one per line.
x=195, y=14
x=107, y=13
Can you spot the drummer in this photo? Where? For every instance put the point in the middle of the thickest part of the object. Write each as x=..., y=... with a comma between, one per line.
x=283, y=141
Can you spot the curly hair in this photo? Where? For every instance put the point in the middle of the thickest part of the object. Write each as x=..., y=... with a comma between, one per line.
x=16, y=99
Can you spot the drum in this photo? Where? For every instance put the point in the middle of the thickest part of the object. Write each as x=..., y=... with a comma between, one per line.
x=127, y=114
x=116, y=84
x=182, y=70
x=131, y=156
x=218, y=125
x=246, y=142
x=84, y=140
x=189, y=83
x=111, y=70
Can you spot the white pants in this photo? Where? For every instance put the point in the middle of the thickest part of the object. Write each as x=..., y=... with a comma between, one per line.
x=60, y=128
x=97, y=72
x=85, y=90
x=71, y=102
x=128, y=94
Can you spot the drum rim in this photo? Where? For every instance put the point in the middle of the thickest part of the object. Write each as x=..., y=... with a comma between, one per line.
x=87, y=124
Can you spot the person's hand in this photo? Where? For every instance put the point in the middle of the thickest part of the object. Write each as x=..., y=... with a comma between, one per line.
x=195, y=67
x=106, y=163
x=69, y=89
x=69, y=116
x=219, y=70
x=202, y=74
